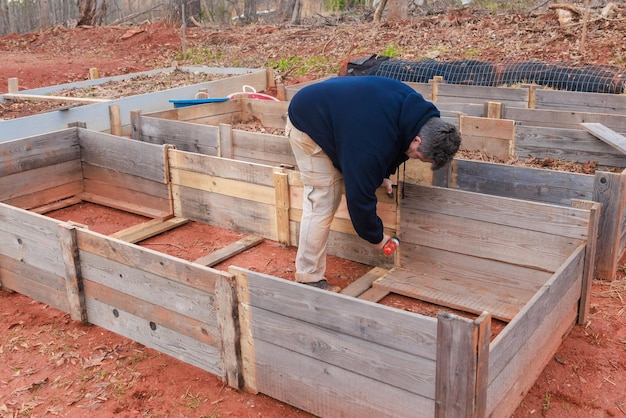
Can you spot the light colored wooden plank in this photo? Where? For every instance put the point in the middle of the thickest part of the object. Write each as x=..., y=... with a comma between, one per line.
x=455, y=293
x=145, y=230
x=34, y=289
x=39, y=179
x=374, y=294
x=55, y=99
x=185, y=136
x=229, y=251
x=363, y=283
x=125, y=206
x=606, y=135
x=54, y=197
x=59, y=204
x=281, y=192
x=248, y=366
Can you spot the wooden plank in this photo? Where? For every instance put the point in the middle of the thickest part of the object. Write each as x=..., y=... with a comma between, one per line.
x=363, y=283
x=270, y=113
x=411, y=373
x=330, y=391
x=52, y=197
x=221, y=167
x=262, y=148
x=455, y=292
x=145, y=230
x=216, y=209
x=73, y=277
x=567, y=144
x=38, y=151
x=517, y=333
x=104, y=150
x=458, y=93
x=590, y=257
x=374, y=294
x=396, y=329
x=610, y=191
x=126, y=206
x=281, y=193
x=229, y=251
x=492, y=136
x=565, y=221
x=462, y=361
x=39, y=179
x=185, y=136
x=581, y=101
x=606, y=135
x=541, y=337
x=156, y=336
x=175, y=269
x=563, y=119
x=248, y=366
x=59, y=204
x=528, y=183
x=226, y=305
x=55, y=99
x=35, y=281
x=206, y=331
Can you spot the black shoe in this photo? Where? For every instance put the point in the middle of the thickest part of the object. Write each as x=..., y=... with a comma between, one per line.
x=323, y=284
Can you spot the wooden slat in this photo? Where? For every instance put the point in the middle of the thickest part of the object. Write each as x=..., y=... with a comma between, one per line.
x=378, y=362
x=462, y=361
x=39, y=179
x=492, y=136
x=137, y=209
x=206, y=331
x=565, y=221
x=185, y=136
x=56, y=99
x=175, y=269
x=73, y=276
x=528, y=183
x=161, y=338
x=455, y=293
x=145, y=230
x=590, y=257
x=226, y=305
x=112, y=152
x=229, y=251
x=59, y=204
x=396, y=329
x=606, y=135
x=52, y=197
x=363, y=283
x=563, y=119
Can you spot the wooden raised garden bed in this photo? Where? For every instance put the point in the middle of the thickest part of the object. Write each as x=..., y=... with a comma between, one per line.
x=524, y=263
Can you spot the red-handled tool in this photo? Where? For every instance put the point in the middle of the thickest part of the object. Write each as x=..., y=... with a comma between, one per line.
x=391, y=246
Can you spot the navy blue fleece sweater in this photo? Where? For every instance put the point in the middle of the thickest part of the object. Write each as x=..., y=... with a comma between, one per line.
x=365, y=124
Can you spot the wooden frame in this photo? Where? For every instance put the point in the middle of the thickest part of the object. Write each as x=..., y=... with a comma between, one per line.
x=329, y=354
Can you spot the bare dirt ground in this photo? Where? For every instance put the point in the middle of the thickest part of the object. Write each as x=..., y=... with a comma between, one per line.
x=53, y=366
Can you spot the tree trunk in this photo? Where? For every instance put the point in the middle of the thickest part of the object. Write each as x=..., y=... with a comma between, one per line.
x=249, y=11
x=92, y=12
x=398, y=10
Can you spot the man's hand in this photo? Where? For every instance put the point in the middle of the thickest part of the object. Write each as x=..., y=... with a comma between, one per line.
x=381, y=244
x=388, y=186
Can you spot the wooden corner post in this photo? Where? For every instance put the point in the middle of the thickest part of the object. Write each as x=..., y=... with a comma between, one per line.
x=462, y=365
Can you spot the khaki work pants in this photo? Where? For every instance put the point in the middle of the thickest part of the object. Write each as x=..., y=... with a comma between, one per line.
x=323, y=185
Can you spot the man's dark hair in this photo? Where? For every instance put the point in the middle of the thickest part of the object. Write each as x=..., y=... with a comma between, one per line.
x=440, y=141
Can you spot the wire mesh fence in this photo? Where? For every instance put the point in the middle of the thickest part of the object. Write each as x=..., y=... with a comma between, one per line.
x=559, y=76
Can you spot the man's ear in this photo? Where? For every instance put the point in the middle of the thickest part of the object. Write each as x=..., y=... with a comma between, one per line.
x=417, y=140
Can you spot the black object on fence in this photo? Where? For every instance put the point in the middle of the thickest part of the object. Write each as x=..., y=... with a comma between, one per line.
x=584, y=78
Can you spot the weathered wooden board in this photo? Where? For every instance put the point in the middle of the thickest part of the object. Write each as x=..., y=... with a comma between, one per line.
x=113, y=152
x=262, y=148
x=579, y=101
x=457, y=93
x=491, y=136
x=161, y=338
x=185, y=136
x=229, y=251
x=270, y=113
x=145, y=230
x=607, y=135
x=36, y=283
x=567, y=144
x=535, y=184
x=521, y=351
x=563, y=118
